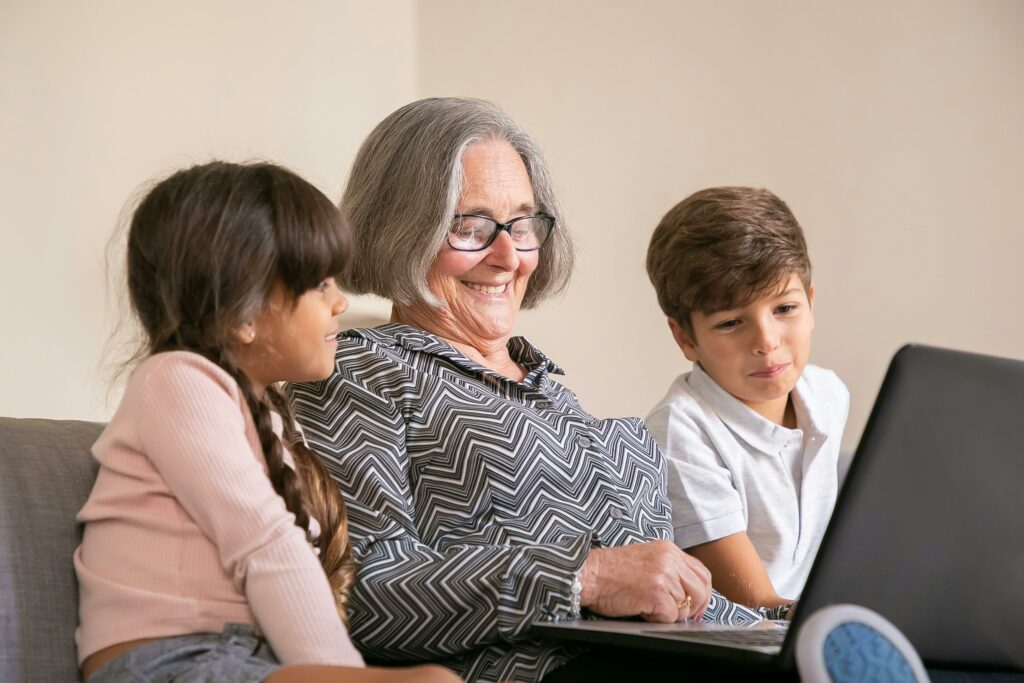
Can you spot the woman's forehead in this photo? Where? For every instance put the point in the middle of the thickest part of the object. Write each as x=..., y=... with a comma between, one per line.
x=494, y=178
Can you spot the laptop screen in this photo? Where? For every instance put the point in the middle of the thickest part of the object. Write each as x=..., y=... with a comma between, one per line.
x=928, y=529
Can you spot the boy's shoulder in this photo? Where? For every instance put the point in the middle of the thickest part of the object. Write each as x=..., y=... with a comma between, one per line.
x=822, y=385
x=681, y=405
x=695, y=402
x=825, y=399
x=819, y=376
x=679, y=393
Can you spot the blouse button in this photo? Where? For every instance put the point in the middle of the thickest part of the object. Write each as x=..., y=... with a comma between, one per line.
x=585, y=441
x=617, y=513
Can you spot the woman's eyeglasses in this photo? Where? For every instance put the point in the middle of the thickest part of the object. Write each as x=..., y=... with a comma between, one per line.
x=470, y=232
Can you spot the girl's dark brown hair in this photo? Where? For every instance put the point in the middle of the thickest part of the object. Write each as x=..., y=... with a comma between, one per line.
x=205, y=248
x=723, y=247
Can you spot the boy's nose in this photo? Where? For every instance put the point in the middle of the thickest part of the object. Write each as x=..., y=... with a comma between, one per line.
x=766, y=340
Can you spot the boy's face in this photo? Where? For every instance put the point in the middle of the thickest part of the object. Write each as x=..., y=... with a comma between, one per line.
x=756, y=352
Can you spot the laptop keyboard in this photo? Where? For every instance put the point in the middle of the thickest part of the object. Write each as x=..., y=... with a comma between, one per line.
x=757, y=638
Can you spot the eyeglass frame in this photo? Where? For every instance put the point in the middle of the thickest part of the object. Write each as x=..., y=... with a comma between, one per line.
x=507, y=227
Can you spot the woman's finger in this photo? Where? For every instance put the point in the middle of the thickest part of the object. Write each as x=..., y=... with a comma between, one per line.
x=699, y=591
x=698, y=567
x=685, y=607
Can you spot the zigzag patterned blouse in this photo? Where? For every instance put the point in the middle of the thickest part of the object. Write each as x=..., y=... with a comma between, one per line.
x=473, y=498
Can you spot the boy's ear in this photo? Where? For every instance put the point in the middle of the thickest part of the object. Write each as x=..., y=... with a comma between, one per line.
x=683, y=340
x=810, y=302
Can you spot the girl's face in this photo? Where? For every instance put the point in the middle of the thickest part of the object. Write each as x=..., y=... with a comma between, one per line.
x=292, y=340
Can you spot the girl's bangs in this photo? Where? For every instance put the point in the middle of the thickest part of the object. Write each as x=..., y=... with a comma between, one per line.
x=314, y=240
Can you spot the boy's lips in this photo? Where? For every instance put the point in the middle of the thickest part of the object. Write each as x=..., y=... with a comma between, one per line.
x=771, y=371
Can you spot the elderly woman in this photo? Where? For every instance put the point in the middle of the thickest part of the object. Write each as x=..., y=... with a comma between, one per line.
x=481, y=496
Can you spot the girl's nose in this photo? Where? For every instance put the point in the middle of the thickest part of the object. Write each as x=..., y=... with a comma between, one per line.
x=340, y=303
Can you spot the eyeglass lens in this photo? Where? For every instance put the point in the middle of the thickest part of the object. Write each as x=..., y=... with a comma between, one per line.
x=471, y=233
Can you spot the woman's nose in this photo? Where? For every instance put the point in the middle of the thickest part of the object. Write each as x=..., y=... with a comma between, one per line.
x=502, y=252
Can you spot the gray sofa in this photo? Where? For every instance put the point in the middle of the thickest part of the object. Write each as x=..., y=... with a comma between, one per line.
x=46, y=473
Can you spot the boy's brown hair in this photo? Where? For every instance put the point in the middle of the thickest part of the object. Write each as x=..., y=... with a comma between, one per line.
x=722, y=248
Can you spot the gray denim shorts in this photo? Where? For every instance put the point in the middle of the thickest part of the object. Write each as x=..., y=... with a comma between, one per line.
x=233, y=656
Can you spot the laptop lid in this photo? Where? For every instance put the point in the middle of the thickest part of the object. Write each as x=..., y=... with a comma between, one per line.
x=928, y=529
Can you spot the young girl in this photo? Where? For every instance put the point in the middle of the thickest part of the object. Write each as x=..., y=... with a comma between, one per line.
x=215, y=546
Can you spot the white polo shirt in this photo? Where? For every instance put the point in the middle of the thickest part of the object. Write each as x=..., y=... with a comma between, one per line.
x=730, y=470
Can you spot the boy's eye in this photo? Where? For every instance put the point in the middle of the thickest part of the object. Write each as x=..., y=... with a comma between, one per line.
x=786, y=308
x=727, y=324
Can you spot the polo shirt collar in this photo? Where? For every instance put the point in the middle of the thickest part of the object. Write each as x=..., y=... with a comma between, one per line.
x=754, y=429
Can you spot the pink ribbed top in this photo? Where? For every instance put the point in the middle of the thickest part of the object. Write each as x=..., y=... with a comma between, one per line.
x=184, y=531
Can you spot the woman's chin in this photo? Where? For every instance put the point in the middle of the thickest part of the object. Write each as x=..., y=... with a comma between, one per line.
x=484, y=330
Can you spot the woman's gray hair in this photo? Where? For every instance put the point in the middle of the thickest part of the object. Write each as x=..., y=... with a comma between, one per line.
x=404, y=189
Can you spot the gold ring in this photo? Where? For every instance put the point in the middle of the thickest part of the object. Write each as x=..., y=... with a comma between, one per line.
x=686, y=602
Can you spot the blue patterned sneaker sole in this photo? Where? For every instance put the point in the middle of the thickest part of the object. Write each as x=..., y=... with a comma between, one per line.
x=852, y=644
x=856, y=652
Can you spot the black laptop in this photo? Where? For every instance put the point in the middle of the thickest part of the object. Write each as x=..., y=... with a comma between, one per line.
x=928, y=529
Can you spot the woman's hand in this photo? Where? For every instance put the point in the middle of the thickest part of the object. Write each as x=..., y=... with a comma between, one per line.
x=652, y=580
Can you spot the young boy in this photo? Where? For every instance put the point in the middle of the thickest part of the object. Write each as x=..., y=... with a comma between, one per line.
x=751, y=435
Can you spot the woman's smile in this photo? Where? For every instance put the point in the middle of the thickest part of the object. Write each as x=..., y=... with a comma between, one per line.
x=487, y=289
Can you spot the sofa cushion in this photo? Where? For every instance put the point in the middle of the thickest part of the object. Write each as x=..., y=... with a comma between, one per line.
x=46, y=473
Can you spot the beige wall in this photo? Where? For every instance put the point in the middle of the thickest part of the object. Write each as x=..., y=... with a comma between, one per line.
x=893, y=129
x=98, y=97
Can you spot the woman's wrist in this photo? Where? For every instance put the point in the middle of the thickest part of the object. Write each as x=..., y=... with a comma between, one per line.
x=777, y=612
x=574, y=594
x=588, y=577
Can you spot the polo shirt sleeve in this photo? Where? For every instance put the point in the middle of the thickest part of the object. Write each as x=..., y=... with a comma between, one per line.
x=706, y=505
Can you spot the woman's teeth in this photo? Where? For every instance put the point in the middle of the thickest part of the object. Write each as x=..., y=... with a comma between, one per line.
x=487, y=289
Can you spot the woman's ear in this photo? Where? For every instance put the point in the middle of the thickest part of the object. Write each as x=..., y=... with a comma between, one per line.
x=684, y=341
x=245, y=333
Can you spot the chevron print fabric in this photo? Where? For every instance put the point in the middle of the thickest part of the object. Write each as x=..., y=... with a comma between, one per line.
x=473, y=499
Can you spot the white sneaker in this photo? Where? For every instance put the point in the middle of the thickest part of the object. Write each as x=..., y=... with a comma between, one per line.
x=850, y=644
